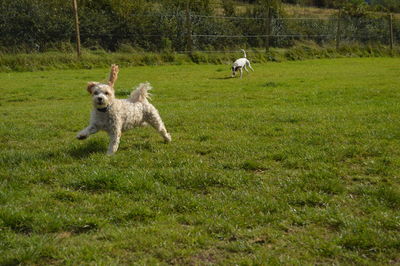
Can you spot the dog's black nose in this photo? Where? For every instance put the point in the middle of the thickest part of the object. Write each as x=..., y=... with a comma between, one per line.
x=99, y=100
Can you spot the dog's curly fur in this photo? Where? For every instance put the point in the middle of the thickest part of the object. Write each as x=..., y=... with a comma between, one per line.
x=117, y=115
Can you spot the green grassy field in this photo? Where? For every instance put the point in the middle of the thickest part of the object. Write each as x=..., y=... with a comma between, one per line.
x=297, y=163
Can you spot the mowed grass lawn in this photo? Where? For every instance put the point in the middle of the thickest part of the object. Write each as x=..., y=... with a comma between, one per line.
x=297, y=163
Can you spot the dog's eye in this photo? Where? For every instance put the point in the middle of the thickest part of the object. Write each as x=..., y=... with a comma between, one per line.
x=106, y=93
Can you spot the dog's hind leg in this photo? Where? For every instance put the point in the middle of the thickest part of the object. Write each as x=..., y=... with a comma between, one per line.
x=154, y=119
x=250, y=66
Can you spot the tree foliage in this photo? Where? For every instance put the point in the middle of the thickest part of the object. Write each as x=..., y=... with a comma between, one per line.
x=38, y=25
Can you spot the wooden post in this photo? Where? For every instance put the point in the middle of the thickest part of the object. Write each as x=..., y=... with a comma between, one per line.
x=78, y=38
x=189, y=47
x=268, y=30
x=338, y=29
x=391, y=31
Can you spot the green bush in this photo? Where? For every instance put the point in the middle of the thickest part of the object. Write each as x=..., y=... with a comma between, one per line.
x=28, y=26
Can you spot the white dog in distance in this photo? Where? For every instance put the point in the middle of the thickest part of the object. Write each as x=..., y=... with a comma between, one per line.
x=241, y=64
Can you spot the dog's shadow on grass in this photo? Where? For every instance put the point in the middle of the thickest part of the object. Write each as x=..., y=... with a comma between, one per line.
x=83, y=150
x=223, y=78
x=87, y=148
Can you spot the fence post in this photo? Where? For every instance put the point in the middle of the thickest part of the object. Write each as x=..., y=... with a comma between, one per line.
x=189, y=47
x=338, y=29
x=268, y=29
x=391, y=31
x=78, y=38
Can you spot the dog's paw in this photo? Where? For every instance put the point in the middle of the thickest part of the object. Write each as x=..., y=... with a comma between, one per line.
x=167, y=138
x=81, y=136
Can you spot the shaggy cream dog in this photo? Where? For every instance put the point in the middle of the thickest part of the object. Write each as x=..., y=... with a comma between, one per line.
x=117, y=115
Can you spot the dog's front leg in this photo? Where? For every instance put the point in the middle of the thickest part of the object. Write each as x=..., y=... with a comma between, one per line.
x=115, y=136
x=91, y=129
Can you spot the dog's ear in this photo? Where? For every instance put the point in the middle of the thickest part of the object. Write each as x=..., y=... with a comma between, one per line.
x=113, y=75
x=90, y=86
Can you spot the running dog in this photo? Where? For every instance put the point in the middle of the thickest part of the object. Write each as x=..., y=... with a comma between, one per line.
x=117, y=115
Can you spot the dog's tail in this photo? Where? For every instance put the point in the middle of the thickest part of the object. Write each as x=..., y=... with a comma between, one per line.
x=244, y=53
x=141, y=94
